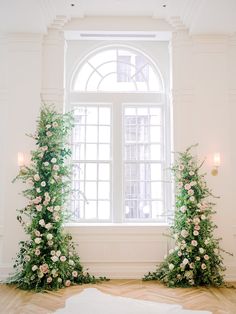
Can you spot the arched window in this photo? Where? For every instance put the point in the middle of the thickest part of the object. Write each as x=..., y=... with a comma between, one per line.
x=121, y=139
x=117, y=69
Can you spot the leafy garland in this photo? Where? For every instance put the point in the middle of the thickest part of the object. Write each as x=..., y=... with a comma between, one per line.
x=196, y=259
x=48, y=260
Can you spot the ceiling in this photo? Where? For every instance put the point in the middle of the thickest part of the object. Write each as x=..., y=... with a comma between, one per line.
x=198, y=16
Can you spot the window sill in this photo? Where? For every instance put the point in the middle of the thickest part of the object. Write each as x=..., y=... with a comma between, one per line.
x=115, y=225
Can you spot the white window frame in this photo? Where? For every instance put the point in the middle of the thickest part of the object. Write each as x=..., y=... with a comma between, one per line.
x=117, y=101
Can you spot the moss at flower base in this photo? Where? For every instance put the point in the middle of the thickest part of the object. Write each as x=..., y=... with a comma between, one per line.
x=48, y=260
x=196, y=258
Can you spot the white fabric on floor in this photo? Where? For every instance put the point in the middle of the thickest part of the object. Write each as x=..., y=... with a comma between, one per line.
x=92, y=301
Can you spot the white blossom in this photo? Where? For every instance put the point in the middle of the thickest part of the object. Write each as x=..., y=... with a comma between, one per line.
x=184, y=233
x=37, y=240
x=49, y=236
x=53, y=160
x=171, y=266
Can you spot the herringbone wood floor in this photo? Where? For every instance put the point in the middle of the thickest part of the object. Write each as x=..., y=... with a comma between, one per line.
x=217, y=300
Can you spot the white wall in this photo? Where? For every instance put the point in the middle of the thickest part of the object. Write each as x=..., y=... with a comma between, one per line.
x=204, y=95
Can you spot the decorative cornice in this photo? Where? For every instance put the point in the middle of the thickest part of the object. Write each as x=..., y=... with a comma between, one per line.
x=59, y=22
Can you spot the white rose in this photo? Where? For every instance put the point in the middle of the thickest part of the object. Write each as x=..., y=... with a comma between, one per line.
x=171, y=251
x=185, y=261
x=52, y=252
x=48, y=126
x=49, y=236
x=53, y=160
x=43, y=183
x=27, y=258
x=187, y=186
x=34, y=268
x=171, y=266
x=58, y=253
x=63, y=258
x=50, y=243
x=39, y=208
x=57, y=208
x=190, y=192
x=50, y=209
x=67, y=283
x=206, y=257
x=54, y=258
x=180, y=185
x=196, y=220
x=203, y=217
x=203, y=266
x=48, y=226
x=201, y=250
x=46, y=163
x=59, y=280
x=49, y=134
x=193, y=183
x=184, y=233
x=55, y=124
x=191, y=173
x=181, y=167
x=49, y=279
x=179, y=253
x=183, y=209
x=42, y=222
x=198, y=258
x=37, y=240
x=71, y=262
x=37, y=233
x=192, y=198
x=74, y=273
x=40, y=275
x=37, y=252
x=195, y=232
x=55, y=167
x=38, y=190
x=36, y=177
x=194, y=243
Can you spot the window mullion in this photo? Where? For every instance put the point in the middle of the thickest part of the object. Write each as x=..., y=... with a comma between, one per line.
x=117, y=170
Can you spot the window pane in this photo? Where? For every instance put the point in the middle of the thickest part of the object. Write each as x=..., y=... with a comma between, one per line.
x=155, y=134
x=104, y=115
x=103, y=210
x=91, y=134
x=141, y=147
x=104, y=134
x=91, y=177
x=91, y=171
x=104, y=171
x=91, y=190
x=91, y=210
x=91, y=151
x=92, y=115
x=156, y=172
x=104, y=152
x=103, y=190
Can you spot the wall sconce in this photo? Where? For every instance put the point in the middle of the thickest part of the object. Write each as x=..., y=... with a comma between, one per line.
x=216, y=164
x=21, y=159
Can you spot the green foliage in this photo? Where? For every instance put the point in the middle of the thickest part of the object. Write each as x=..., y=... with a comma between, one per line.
x=48, y=260
x=196, y=259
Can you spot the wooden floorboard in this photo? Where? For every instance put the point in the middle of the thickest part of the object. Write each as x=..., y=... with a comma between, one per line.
x=216, y=300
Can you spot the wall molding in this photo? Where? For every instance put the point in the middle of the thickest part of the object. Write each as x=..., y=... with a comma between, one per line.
x=114, y=270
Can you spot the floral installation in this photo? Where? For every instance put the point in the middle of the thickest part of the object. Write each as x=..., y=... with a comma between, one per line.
x=48, y=260
x=195, y=259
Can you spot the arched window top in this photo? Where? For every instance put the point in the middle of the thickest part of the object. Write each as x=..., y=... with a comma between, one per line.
x=117, y=69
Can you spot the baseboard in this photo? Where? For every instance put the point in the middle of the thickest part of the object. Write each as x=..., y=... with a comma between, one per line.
x=5, y=271
x=117, y=270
